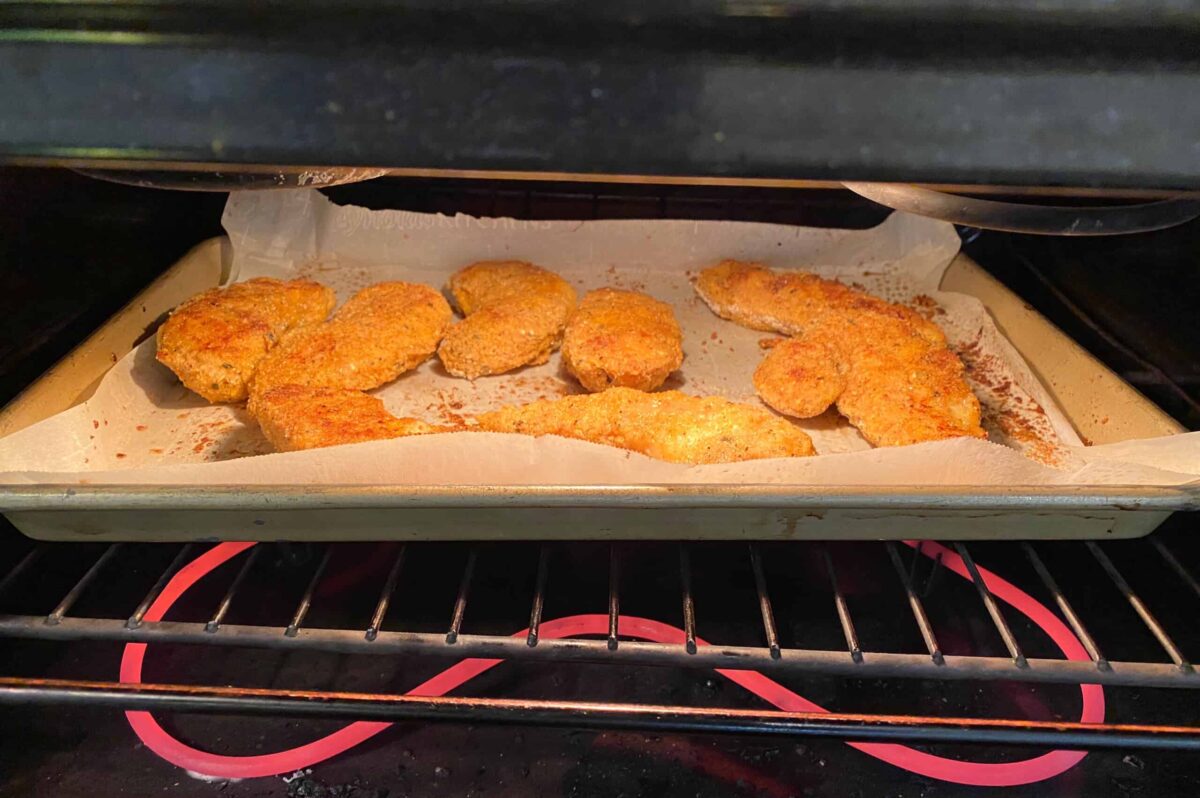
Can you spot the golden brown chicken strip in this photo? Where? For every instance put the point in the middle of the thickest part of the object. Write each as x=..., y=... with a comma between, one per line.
x=787, y=302
x=214, y=341
x=515, y=314
x=381, y=332
x=901, y=383
x=668, y=425
x=295, y=417
x=900, y=389
x=800, y=378
x=623, y=339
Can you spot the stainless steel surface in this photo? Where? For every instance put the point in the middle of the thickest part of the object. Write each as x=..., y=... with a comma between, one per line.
x=253, y=575
x=135, y=620
x=914, y=602
x=1018, y=217
x=214, y=623
x=614, y=598
x=306, y=600
x=539, y=596
x=773, y=655
x=791, y=661
x=236, y=179
x=843, y=609
x=68, y=601
x=595, y=715
x=460, y=602
x=993, y=610
x=1139, y=606
x=764, y=603
x=264, y=173
x=1065, y=607
x=689, y=604
x=385, y=596
x=15, y=499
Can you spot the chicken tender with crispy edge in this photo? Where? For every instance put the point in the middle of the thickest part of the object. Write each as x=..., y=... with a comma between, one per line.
x=667, y=425
x=295, y=417
x=381, y=332
x=900, y=388
x=787, y=302
x=515, y=315
x=800, y=378
x=902, y=384
x=622, y=339
x=490, y=281
x=215, y=340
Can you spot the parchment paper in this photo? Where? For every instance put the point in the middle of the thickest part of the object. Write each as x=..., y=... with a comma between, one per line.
x=143, y=427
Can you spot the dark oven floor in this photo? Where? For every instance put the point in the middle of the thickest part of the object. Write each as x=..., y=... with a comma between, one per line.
x=125, y=236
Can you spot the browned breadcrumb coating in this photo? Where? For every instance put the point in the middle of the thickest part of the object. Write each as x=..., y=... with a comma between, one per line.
x=295, y=417
x=490, y=281
x=799, y=378
x=622, y=339
x=381, y=332
x=900, y=389
x=215, y=340
x=667, y=425
x=902, y=384
x=787, y=302
x=515, y=314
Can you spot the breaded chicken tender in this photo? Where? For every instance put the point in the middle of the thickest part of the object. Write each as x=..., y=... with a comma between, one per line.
x=214, y=341
x=295, y=417
x=900, y=389
x=515, y=314
x=622, y=339
x=381, y=332
x=800, y=378
x=902, y=384
x=787, y=302
x=668, y=425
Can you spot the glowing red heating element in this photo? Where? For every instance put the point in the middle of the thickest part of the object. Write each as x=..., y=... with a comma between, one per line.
x=993, y=774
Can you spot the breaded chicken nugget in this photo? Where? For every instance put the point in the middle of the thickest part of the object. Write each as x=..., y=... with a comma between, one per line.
x=756, y=297
x=515, y=314
x=800, y=378
x=623, y=339
x=295, y=417
x=215, y=340
x=490, y=281
x=668, y=425
x=901, y=383
x=381, y=332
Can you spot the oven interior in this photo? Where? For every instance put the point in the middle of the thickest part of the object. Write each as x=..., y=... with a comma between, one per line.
x=285, y=643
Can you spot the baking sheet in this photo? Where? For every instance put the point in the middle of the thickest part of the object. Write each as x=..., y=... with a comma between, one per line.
x=142, y=427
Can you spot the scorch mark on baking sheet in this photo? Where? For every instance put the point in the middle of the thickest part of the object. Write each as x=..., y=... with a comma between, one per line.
x=927, y=306
x=1010, y=415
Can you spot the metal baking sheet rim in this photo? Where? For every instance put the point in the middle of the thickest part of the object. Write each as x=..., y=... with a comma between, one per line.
x=630, y=497
x=177, y=513
x=169, y=522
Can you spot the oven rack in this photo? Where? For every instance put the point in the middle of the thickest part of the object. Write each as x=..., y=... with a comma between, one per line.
x=850, y=661
x=854, y=659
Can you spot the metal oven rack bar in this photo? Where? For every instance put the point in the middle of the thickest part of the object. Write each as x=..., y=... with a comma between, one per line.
x=854, y=660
